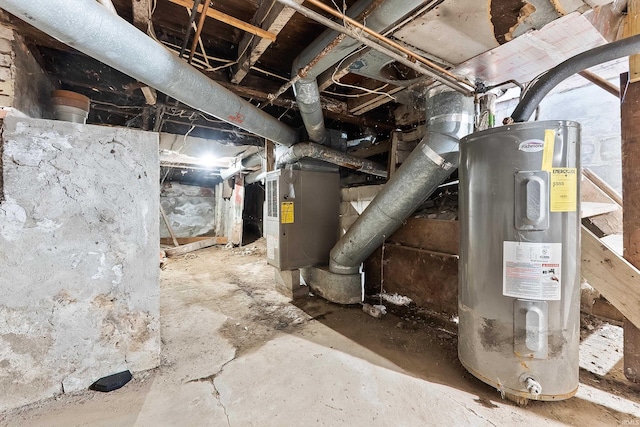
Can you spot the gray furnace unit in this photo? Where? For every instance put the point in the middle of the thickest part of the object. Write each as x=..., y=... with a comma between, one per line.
x=519, y=296
x=302, y=216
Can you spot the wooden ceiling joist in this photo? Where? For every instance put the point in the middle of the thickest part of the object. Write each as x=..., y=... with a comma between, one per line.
x=141, y=14
x=271, y=16
x=228, y=19
x=368, y=102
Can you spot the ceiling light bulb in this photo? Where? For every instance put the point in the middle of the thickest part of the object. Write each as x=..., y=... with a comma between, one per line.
x=209, y=160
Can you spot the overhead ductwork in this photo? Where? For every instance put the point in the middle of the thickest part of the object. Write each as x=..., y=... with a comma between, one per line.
x=92, y=29
x=331, y=48
x=241, y=165
x=449, y=117
x=329, y=155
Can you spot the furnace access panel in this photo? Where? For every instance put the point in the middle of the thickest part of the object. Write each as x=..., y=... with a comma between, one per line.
x=301, y=218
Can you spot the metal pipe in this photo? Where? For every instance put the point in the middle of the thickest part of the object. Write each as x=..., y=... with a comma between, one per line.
x=255, y=176
x=601, y=83
x=192, y=18
x=575, y=64
x=203, y=17
x=242, y=165
x=320, y=152
x=463, y=88
x=88, y=27
x=410, y=55
x=308, y=98
x=449, y=117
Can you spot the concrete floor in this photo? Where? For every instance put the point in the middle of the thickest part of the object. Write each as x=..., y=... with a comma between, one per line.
x=236, y=353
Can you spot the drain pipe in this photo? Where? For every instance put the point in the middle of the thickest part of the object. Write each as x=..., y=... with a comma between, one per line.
x=330, y=48
x=90, y=28
x=320, y=152
x=449, y=117
x=573, y=65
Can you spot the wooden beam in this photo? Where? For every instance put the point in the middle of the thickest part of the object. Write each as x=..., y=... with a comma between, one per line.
x=141, y=14
x=199, y=27
x=602, y=225
x=606, y=188
x=614, y=277
x=229, y=20
x=190, y=247
x=601, y=83
x=270, y=155
x=591, y=209
x=368, y=102
x=632, y=28
x=630, y=125
x=333, y=109
x=187, y=240
x=393, y=154
x=379, y=148
x=271, y=16
x=166, y=222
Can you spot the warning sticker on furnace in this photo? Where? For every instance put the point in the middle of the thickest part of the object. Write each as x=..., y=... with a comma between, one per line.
x=532, y=270
x=286, y=213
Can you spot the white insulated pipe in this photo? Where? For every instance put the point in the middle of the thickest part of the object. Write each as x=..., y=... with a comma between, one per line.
x=92, y=29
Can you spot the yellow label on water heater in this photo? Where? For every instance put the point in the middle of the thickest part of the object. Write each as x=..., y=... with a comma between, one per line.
x=549, y=146
x=564, y=189
x=286, y=213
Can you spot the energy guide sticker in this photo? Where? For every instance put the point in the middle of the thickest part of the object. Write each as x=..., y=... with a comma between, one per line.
x=564, y=190
x=532, y=270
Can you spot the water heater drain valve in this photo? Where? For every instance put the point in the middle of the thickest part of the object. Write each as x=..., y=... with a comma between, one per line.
x=532, y=386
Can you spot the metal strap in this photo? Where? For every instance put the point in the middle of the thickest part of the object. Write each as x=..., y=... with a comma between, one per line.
x=436, y=158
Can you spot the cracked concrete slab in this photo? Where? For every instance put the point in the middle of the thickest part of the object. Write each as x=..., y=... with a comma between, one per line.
x=236, y=353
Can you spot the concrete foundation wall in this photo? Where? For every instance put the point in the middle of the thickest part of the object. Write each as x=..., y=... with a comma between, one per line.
x=78, y=257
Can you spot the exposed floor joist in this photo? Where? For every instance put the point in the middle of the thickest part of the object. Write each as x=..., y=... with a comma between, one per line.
x=271, y=16
x=366, y=103
x=141, y=14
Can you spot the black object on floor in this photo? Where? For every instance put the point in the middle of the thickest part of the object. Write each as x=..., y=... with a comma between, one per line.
x=112, y=382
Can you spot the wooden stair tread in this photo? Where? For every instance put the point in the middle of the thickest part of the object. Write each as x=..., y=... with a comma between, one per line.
x=590, y=209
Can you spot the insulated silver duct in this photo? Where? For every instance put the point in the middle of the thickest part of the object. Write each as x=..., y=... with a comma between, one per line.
x=308, y=97
x=243, y=164
x=331, y=48
x=449, y=117
x=90, y=28
x=329, y=155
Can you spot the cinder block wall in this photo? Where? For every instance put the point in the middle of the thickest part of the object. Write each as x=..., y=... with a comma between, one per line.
x=79, y=243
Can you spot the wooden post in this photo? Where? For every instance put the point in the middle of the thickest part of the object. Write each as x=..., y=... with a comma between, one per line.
x=393, y=154
x=270, y=155
x=630, y=124
x=166, y=222
x=632, y=27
